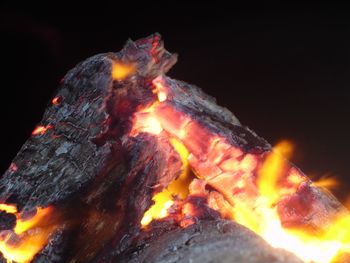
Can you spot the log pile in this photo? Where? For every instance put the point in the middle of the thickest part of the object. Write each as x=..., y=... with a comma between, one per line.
x=91, y=169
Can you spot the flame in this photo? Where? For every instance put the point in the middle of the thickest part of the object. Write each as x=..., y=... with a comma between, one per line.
x=307, y=246
x=271, y=171
x=122, y=70
x=262, y=216
x=327, y=181
x=245, y=187
x=11, y=209
x=40, y=130
x=179, y=187
x=29, y=235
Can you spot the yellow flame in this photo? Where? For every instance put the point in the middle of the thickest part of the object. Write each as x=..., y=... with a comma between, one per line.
x=262, y=217
x=28, y=237
x=8, y=208
x=163, y=200
x=306, y=246
x=122, y=70
x=23, y=225
x=271, y=171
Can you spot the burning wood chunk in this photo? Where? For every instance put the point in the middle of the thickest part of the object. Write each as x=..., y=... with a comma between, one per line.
x=129, y=165
x=208, y=241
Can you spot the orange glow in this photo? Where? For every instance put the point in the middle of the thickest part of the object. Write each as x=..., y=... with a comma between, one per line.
x=40, y=130
x=147, y=123
x=244, y=187
x=23, y=224
x=28, y=237
x=121, y=70
x=56, y=100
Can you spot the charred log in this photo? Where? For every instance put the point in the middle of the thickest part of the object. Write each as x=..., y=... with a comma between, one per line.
x=206, y=241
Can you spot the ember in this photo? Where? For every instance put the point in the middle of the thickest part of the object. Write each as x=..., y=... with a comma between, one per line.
x=56, y=100
x=140, y=159
x=121, y=70
x=40, y=130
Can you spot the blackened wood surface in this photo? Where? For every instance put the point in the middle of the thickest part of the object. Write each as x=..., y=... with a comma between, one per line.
x=207, y=241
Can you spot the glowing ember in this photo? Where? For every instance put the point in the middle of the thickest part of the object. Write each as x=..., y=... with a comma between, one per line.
x=160, y=89
x=56, y=100
x=29, y=235
x=13, y=168
x=161, y=96
x=40, y=130
x=122, y=70
x=245, y=187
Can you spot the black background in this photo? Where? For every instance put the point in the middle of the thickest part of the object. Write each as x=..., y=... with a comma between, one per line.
x=284, y=73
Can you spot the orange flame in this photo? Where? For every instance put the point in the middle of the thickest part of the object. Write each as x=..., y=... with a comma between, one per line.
x=122, y=70
x=29, y=235
x=327, y=181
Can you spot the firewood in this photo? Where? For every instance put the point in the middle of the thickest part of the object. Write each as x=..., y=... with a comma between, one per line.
x=91, y=169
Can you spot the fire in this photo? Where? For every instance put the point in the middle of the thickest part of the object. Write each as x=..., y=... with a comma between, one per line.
x=163, y=200
x=308, y=246
x=40, y=130
x=29, y=235
x=122, y=70
x=244, y=187
x=327, y=182
x=11, y=209
x=271, y=171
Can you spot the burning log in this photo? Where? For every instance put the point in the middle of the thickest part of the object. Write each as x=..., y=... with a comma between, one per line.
x=129, y=165
x=206, y=241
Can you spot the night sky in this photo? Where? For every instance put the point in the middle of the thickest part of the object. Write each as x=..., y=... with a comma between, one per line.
x=284, y=73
